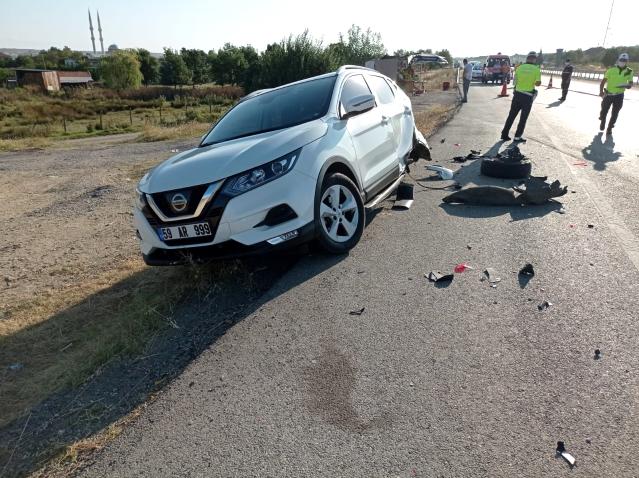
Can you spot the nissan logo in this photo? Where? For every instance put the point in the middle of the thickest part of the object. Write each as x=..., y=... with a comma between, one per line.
x=178, y=202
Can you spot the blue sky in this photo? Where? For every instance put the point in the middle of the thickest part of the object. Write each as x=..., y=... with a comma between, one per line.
x=464, y=27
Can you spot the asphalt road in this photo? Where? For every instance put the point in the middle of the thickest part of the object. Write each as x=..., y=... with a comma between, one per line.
x=461, y=381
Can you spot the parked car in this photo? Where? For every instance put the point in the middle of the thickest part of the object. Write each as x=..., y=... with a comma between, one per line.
x=497, y=68
x=291, y=164
x=428, y=59
x=477, y=71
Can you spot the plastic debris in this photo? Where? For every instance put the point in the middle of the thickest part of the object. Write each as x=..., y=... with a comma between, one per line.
x=590, y=226
x=404, y=196
x=581, y=163
x=439, y=277
x=527, y=270
x=444, y=173
x=457, y=144
x=544, y=305
x=357, y=312
x=491, y=273
x=561, y=450
x=175, y=150
x=15, y=367
x=463, y=267
x=534, y=190
x=597, y=354
x=442, y=141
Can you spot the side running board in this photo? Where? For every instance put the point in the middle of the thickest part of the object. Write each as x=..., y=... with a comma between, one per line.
x=385, y=193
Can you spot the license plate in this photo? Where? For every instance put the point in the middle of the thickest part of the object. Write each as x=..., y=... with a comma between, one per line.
x=187, y=231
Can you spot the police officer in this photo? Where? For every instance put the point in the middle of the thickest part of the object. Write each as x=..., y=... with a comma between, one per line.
x=566, y=76
x=619, y=79
x=528, y=76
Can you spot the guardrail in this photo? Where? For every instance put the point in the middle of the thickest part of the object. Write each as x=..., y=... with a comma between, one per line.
x=584, y=75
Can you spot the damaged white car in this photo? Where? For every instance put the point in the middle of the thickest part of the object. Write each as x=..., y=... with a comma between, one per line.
x=291, y=164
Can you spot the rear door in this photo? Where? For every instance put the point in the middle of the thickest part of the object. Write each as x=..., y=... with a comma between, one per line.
x=400, y=114
x=371, y=132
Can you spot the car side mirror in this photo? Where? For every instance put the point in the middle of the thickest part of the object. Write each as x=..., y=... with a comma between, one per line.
x=358, y=105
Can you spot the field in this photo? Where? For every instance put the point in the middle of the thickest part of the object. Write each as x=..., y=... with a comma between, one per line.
x=32, y=119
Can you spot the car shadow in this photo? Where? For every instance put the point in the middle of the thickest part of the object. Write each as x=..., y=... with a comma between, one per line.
x=601, y=152
x=124, y=382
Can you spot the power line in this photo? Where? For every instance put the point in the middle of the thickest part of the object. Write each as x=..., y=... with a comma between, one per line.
x=608, y=25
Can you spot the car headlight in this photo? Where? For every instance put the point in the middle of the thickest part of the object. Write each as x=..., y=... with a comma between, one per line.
x=140, y=200
x=263, y=174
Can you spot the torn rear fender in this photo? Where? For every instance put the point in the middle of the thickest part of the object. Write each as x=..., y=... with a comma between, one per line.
x=420, y=148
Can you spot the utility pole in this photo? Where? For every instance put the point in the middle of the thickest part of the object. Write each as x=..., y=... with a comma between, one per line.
x=603, y=45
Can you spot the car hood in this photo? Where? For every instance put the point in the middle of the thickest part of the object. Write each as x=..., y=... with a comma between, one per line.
x=219, y=161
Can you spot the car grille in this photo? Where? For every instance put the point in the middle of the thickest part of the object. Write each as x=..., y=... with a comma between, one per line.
x=211, y=214
x=193, y=196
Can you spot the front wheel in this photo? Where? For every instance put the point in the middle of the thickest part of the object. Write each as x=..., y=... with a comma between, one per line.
x=339, y=214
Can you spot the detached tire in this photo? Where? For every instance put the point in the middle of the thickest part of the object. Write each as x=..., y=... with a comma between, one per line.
x=339, y=214
x=496, y=168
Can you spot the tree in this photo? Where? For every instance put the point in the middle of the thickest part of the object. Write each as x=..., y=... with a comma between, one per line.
x=149, y=67
x=230, y=65
x=121, y=69
x=446, y=54
x=360, y=46
x=610, y=56
x=173, y=70
x=293, y=59
x=4, y=75
x=197, y=62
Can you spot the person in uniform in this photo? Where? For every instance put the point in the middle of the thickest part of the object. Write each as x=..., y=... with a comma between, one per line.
x=618, y=79
x=528, y=76
x=566, y=76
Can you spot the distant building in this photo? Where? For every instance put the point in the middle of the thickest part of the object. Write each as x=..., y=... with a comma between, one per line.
x=51, y=80
x=70, y=62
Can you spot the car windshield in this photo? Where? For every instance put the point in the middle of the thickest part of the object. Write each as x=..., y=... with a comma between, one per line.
x=273, y=110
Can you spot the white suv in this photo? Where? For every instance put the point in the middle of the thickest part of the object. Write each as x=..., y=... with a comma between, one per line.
x=283, y=166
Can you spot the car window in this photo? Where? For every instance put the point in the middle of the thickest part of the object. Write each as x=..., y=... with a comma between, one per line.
x=273, y=110
x=353, y=87
x=380, y=87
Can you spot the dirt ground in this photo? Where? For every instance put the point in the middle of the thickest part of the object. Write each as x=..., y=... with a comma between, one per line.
x=67, y=214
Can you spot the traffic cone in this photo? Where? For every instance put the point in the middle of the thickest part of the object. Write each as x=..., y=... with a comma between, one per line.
x=549, y=83
x=503, y=90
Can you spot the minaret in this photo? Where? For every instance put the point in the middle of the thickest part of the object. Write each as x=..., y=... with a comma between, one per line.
x=91, y=28
x=100, y=31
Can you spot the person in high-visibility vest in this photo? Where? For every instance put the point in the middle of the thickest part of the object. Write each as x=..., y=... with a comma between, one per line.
x=528, y=76
x=619, y=79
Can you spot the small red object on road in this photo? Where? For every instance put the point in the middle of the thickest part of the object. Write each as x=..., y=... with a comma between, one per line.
x=581, y=163
x=459, y=268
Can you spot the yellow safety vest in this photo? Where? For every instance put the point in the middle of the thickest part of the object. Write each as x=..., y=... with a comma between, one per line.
x=618, y=77
x=527, y=75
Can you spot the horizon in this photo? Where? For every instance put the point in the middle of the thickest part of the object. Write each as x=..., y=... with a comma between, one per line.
x=161, y=27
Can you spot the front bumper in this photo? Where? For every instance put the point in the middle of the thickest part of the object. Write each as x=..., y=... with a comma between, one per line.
x=238, y=223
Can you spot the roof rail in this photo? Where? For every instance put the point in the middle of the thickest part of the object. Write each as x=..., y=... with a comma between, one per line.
x=354, y=67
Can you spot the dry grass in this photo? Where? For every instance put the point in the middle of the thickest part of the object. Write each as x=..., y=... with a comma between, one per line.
x=23, y=144
x=183, y=131
x=433, y=117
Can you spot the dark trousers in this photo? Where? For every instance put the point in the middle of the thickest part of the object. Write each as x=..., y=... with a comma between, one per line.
x=466, y=86
x=616, y=101
x=521, y=102
x=565, y=84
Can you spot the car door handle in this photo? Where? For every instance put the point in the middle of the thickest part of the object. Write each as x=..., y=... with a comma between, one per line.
x=385, y=119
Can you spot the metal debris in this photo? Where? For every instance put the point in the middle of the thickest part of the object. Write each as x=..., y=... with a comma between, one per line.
x=561, y=450
x=544, y=305
x=444, y=173
x=439, y=277
x=597, y=354
x=357, y=312
x=404, y=196
x=527, y=270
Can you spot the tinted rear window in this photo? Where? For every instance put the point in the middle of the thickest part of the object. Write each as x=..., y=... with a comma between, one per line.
x=273, y=110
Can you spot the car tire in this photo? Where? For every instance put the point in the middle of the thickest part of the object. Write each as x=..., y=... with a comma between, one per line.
x=496, y=168
x=338, y=190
